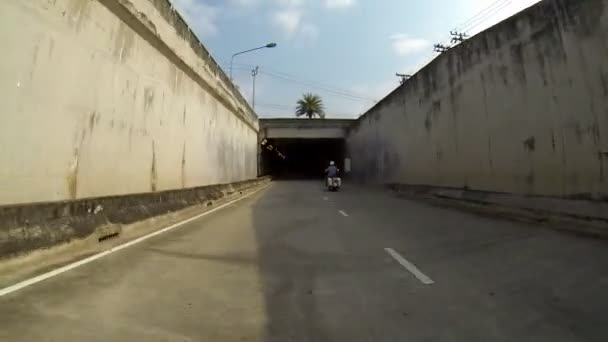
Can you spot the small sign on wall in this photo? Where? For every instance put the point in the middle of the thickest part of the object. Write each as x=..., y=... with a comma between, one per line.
x=347, y=165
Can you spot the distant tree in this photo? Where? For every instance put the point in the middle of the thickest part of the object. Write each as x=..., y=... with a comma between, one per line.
x=310, y=105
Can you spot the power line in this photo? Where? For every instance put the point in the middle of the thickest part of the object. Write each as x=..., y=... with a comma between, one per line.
x=461, y=33
x=484, y=18
x=274, y=106
x=317, y=85
x=347, y=96
x=480, y=13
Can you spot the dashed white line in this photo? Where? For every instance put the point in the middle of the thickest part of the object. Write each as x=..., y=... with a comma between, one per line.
x=53, y=273
x=325, y=198
x=410, y=267
x=343, y=213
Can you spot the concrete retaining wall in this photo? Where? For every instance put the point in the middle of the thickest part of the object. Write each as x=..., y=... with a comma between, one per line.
x=520, y=108
x=113, y=97
x=26, y=228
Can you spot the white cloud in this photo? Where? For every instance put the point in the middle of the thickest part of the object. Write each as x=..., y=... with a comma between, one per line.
x=290, y=3
x=200, y=16
x=243, y=3
x=406, y=45
x=309, y=32
x=288, y=19
x=338, y=3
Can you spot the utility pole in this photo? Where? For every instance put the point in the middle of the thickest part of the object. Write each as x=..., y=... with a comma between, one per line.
x=403, y=77
x=254, y=73
x=440, y=48
x=458, y=37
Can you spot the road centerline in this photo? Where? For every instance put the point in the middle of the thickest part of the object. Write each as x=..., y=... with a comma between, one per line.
x=410, y=267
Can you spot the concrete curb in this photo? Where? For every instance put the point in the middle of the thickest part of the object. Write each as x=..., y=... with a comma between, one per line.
x=31, y=227
x=579, y=216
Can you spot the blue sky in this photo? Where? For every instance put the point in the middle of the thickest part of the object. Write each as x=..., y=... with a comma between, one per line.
x=347, y=51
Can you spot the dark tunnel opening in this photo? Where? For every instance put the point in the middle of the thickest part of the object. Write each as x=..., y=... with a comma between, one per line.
x=301, y=158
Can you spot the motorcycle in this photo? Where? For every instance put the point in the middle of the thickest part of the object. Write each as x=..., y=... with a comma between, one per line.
x=334, y=183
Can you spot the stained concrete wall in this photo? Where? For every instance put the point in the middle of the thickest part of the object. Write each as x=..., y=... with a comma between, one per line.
x=110, y=97
x=304, y=128
x=519, y=108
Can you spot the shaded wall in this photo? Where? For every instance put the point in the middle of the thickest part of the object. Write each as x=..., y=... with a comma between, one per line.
x=521, y=108
x=110, y=97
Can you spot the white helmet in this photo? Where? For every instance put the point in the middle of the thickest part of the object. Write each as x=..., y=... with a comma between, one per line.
x=332, y=163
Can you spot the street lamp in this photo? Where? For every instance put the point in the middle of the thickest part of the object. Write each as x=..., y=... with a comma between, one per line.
x=269, y=45
x=254, y=73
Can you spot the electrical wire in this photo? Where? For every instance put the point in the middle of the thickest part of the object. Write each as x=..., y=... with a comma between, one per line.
x=313, y=84
x=483, y=19
x=475, y=17
x=347, y=96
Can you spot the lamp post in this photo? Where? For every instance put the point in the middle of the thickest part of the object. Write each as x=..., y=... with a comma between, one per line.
x=254, y=73
x=269, y=45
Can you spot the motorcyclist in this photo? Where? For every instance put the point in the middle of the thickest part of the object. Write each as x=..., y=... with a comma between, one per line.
x=332, y=174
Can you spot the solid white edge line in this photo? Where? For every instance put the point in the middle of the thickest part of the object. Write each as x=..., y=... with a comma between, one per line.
x=410, y=267
x=343, y=213
x=63, y=269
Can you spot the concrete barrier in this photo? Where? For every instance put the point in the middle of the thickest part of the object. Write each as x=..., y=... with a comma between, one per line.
x=581, y=216
x=31, y=227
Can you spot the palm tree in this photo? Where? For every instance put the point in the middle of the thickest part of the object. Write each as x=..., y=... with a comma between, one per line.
x=310, y=105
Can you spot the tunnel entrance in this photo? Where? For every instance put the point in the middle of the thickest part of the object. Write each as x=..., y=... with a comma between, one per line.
x=288, y=158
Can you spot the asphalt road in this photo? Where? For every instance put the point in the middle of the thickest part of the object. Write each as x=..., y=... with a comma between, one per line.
x=295, y=263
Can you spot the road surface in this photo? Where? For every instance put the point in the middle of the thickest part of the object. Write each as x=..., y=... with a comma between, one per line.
x=295, y=263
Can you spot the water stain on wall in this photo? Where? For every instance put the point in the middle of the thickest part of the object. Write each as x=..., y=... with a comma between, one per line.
x=72, y=177
x=153, y=171
x=34, y=61
x=51, y=48
x=490, y=159
x=604, y=83
x=184, y=165
x=78, y=12
x=579, y=19
x=530, y=179
x=517, y=57
x=530, y=144
x=148, y=98
x=124, y=42
x=92, y=121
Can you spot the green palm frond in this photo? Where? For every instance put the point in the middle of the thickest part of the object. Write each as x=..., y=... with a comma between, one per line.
x=310, y=105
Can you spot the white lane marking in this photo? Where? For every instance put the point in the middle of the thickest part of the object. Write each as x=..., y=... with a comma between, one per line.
x=325, y=198
x=410, y=267
x=343, y=213
x=58, y=271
